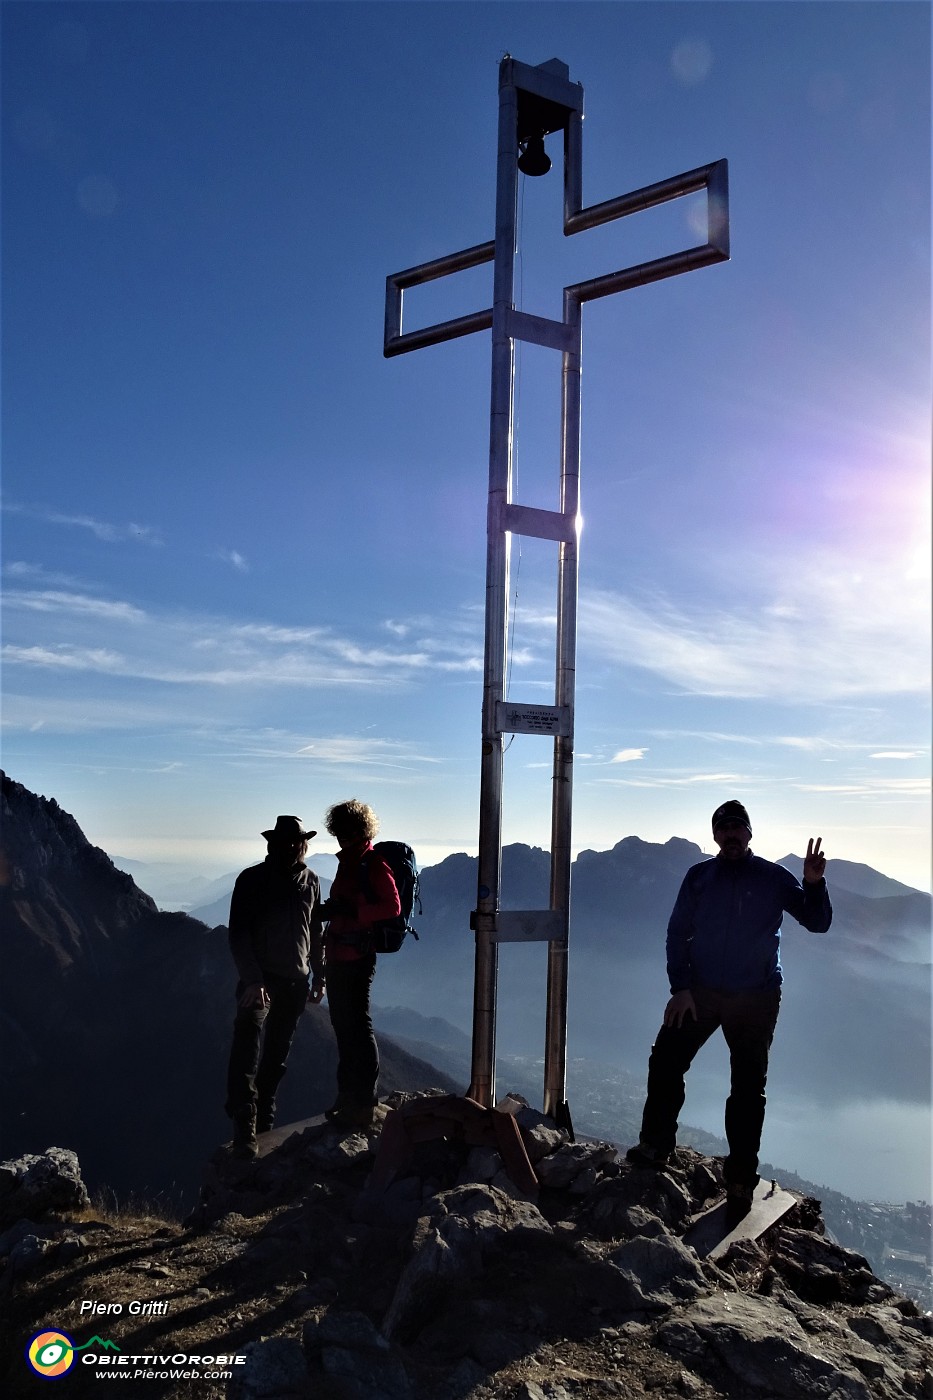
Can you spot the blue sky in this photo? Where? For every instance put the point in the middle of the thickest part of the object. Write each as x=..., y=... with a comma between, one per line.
x=244, y=554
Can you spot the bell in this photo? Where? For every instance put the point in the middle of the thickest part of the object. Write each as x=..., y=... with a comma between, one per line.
x=534, y=159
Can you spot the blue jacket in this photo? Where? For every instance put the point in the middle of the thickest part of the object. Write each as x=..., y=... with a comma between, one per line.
x=725, y=929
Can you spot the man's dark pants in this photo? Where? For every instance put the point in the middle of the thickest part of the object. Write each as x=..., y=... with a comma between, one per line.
x=748, y=1020
x=257, y=1060
x=348, y=985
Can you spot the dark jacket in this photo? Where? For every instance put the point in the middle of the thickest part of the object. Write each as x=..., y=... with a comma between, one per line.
x=725, y=930
x=275, y=923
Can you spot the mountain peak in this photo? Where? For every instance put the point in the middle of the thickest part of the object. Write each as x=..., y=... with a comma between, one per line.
x=854, y=877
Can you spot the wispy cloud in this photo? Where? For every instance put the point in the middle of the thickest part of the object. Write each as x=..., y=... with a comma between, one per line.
x=52, y=601
x=338, y=750
x=872, y=787
x=72, y=714
x=381, y=753
x=814, y=743
x=103, y=530
x=628, y=755
x=865, y=636
x=233, y=558
x=67, y=658
x=680, y=780
x=804, y=743
x=268, y=632
x=37, y=573
x=78, y=632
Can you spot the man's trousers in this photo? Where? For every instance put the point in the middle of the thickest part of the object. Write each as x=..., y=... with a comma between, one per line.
x=748, y=1019
x=262, y=1037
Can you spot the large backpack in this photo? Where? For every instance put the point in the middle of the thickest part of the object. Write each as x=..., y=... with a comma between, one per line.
x=389, y=934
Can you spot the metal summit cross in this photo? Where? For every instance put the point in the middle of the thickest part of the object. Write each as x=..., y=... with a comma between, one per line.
x=533, y=102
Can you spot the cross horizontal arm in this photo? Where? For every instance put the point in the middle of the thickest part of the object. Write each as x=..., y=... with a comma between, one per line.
x=394, y=342
x=441, y=330
x=714, y=178
x=442, y=267
x=645, y=198
x=643, y=273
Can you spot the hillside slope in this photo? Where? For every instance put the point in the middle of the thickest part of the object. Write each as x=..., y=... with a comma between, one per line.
x=119, y=1017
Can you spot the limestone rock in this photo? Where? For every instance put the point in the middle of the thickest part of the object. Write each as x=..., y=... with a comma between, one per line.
x=764, y=1347
x=563, y=1166
x=356, y=1357
x=656, y=1192
x=424, y=1281
x=366, y=1376
x=331, y=1150
x=484, y=1214
x=823, y=1272
x=449, y=1244
x=483, y=1164
x=547, y=1390
x=351, y=1330
x=27, y=1255
x=658, y=1272
x=274, y=1368
x=34, y=1184
x=539, y=1132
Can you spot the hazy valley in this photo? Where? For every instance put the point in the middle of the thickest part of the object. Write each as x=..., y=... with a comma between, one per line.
x=120, y=1014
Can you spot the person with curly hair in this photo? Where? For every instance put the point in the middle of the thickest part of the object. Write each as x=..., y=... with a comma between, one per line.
x=363, y=893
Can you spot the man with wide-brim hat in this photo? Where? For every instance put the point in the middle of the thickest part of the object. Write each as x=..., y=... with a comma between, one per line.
x=275, y=938
x=724, y=967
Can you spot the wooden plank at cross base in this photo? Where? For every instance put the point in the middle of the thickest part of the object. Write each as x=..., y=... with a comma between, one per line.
x=710, y=1236
x=268, y=1142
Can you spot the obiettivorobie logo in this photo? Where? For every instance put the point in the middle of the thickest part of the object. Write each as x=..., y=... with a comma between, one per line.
x=51, y=1354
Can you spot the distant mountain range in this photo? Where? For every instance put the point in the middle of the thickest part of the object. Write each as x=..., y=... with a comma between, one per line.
x=174, y=886
x=856, y=1016
x=109, y=1001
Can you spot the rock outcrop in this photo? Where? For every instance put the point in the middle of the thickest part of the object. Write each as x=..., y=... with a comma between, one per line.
x=37, y=1185
x=438, y=1287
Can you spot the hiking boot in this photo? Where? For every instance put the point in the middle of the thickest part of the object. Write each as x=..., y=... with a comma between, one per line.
x=265, y=1117
x=354, y=1116
x=341, y=1102
x=644, y=1155
x=739, y=1197
x=244, y=1133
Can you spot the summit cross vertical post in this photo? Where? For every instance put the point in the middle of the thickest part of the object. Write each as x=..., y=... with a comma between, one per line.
x=534, y=102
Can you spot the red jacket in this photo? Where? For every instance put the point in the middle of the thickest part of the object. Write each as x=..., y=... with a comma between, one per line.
x=371, y=894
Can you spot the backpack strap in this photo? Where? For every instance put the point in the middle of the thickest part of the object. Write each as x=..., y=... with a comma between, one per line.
x=366, y=884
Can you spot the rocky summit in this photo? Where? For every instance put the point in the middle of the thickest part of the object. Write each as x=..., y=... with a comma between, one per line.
x=407, y=1264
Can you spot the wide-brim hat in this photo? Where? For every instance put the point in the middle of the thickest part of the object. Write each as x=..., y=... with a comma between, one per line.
x=288, y=829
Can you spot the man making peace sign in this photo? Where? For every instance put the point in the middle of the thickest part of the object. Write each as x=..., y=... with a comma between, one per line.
x=724, y=966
